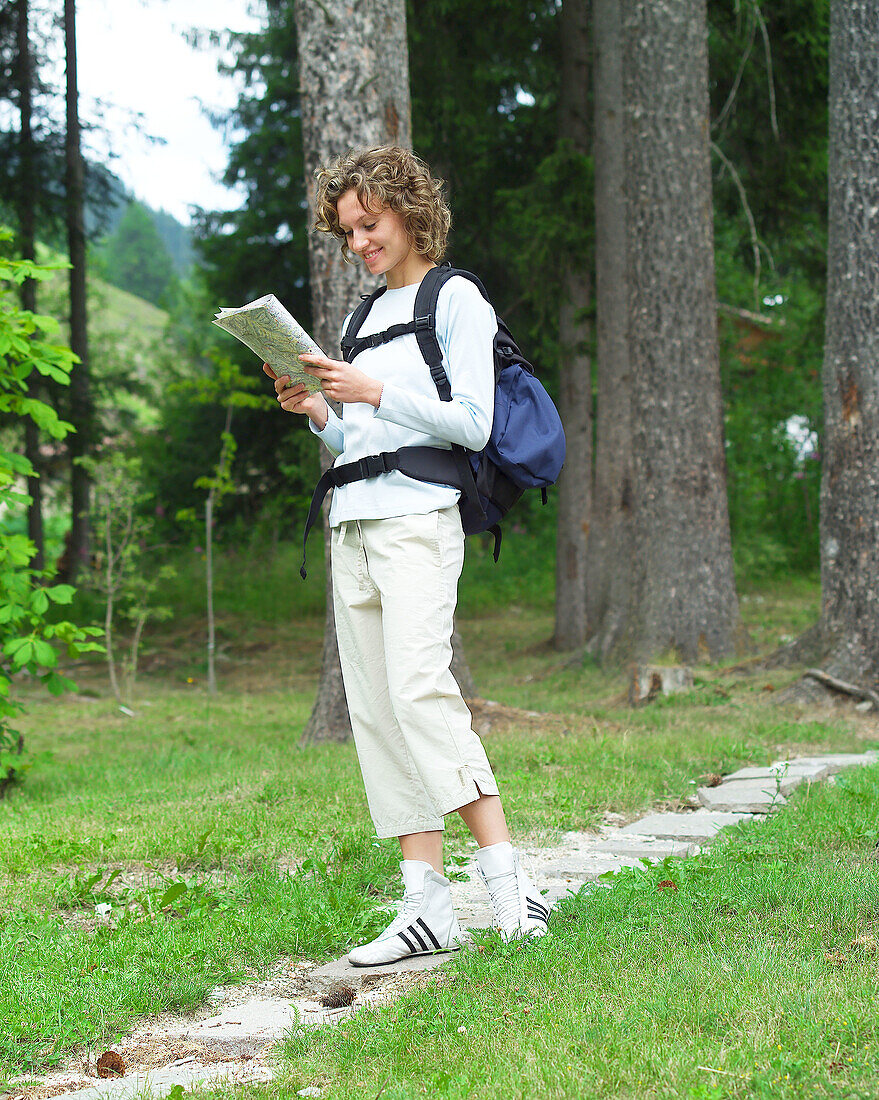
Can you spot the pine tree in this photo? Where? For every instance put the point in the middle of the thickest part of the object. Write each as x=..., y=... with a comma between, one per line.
x=607, y=595
x=81, y=406
x=27, y=240
x=575, y=368
x=850, y=477
x=682, y=590
x=354, y=79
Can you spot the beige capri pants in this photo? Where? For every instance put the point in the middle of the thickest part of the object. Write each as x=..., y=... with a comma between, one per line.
x=395, y=587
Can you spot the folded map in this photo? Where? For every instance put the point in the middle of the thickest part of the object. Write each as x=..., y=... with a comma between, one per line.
x=269, y=330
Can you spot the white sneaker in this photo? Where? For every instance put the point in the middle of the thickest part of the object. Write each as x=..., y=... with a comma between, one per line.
x=426, y=923
x=519, y=908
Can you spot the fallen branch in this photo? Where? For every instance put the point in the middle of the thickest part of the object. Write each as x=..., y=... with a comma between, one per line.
x=750, y=316
x=841, y=685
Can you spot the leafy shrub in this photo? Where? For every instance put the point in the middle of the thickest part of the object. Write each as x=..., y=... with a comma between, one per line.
x=28, y=634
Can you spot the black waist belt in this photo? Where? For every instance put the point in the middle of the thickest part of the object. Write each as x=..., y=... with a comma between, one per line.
x=433, y=464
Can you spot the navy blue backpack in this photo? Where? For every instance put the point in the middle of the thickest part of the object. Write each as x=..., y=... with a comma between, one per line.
x=526, y=449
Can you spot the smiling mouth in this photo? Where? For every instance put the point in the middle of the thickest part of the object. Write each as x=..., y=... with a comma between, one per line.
x=371, y=255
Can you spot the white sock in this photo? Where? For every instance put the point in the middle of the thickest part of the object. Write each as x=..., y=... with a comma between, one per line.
x=496, y=859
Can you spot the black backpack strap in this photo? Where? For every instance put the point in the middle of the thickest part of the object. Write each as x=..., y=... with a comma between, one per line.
x=495, y=530
x=317, y=498
x=359, y=315
x=425, y=326
x=355, y=347
x=422, y=463
x=425, y=333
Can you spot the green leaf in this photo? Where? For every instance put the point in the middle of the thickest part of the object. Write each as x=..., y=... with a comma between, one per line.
x=45, y=323
x=11, y=497
x=17, y=463
x=57, y=684
x=90, y=883
x=57, y=374
x=111, y=878
x=19, y=549
x=39, y=601
x=10, y=762
x=23, y=654
x=61, y=593
x=172, y=893
x=44, y=654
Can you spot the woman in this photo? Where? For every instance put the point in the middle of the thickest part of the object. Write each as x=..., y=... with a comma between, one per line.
x=398, y=549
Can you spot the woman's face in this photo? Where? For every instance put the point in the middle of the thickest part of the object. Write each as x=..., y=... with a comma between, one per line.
x=379, y=239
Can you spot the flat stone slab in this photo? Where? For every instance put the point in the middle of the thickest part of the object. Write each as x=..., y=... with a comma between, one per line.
x=774, y=781
x=743, y=796
x=342, y=970
x=700, y=827
x=792, y=773
x=835, y=762
x=584, y=868
x=159, y=1082
x=266, y=1018
x=646, y=847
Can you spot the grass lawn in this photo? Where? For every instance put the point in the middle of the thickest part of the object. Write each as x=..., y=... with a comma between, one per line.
x=748, y=972
x=221, y=845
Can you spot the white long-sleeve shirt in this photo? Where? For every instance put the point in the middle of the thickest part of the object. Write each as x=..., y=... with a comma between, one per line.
x=411, y=413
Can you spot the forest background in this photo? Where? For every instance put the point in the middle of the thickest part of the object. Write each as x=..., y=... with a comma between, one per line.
x=178, y=416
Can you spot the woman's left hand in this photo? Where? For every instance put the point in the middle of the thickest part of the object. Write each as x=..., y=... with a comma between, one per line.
x=342, y=381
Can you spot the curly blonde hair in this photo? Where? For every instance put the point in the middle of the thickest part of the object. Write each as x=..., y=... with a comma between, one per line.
x=386, y=176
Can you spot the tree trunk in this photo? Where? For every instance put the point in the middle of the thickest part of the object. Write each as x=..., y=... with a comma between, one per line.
x=26, y=191
x=81, y=413
x=575, y=389
x=683, y=595
x=608, y=548
x=329, y=719
x=850, y=475
x=354, y=84
x=459, y=667
x=209, y=591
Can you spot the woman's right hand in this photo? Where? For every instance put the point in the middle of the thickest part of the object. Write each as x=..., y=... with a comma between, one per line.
x=297, y=399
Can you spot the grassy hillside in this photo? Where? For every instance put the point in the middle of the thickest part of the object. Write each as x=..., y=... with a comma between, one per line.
x=125, y=338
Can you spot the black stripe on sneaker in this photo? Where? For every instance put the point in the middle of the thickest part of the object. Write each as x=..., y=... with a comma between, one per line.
x=413, y=931
x=537, y=911
x=413, y=950
x=430, y=934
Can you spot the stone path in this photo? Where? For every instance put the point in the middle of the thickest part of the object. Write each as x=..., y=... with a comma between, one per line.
x=230, y=1039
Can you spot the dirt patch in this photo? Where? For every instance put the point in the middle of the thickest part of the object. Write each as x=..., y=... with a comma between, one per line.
x=489, y=716
x=167, y=1040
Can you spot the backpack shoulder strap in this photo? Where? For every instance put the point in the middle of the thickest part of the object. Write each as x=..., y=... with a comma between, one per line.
x=425, y=333
x=425, y=325
x=349, y=342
